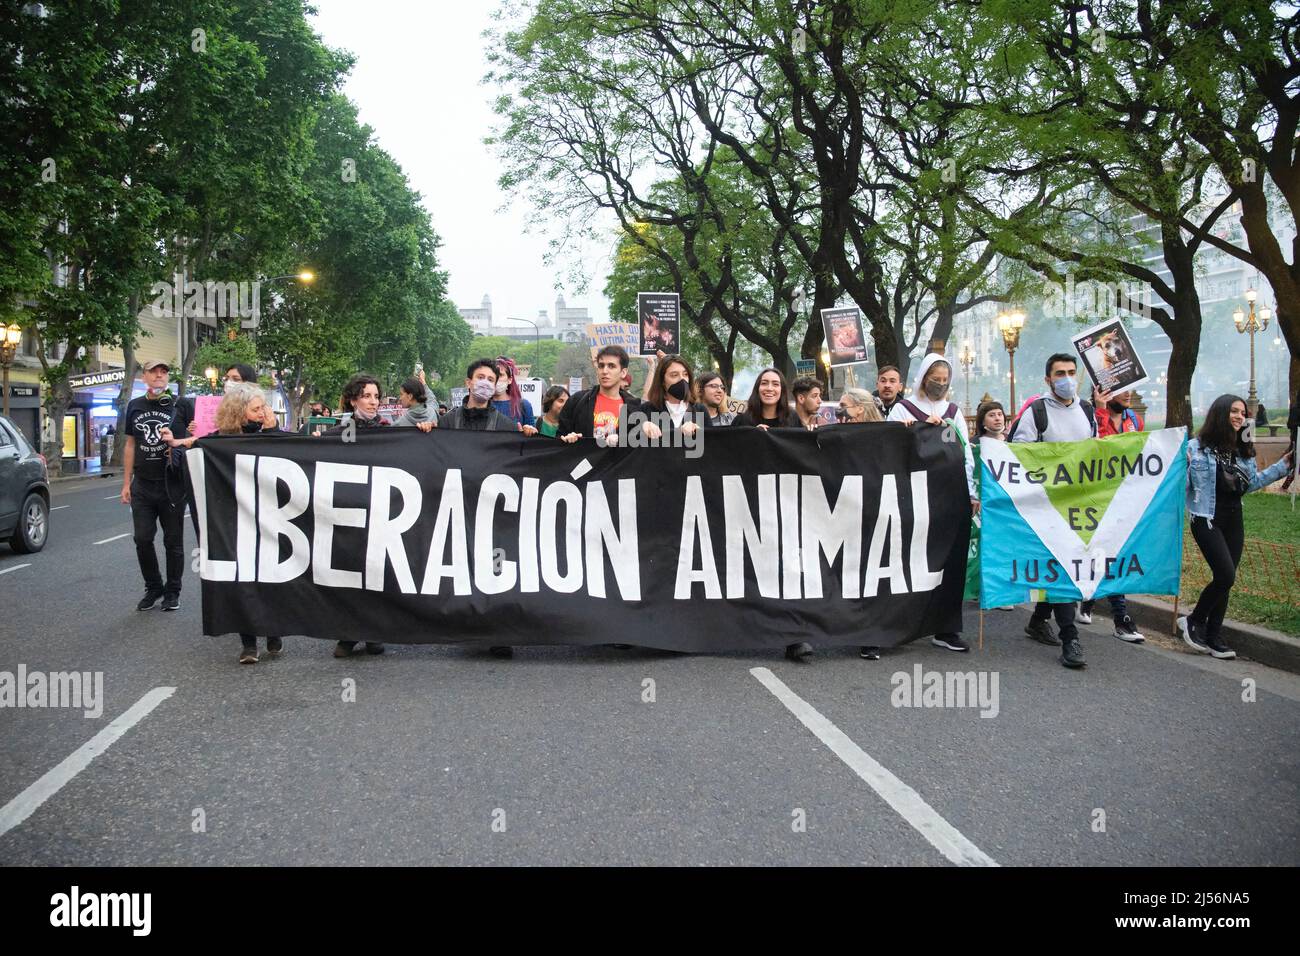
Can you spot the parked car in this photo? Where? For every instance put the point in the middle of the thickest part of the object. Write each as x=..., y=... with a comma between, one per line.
x=24, y=491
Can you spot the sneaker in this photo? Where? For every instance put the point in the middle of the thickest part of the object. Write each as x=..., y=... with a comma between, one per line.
x=344, y=648
x=1041, y=632
x=1193, y=635
x=1072, y=654
x=374, y=647
x=798, y=652
x=502, y=652
x=1219, y=649
x=1126, y=630
x=248, y=655
x=150, y=599
x=869, y=653
x=1006, y=607
x=172, y=602
x=951, y=641
x=274, y=645
x=1084, y=614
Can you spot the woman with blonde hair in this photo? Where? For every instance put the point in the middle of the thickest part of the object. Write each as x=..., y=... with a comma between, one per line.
x=243, y=411
x=857, y=406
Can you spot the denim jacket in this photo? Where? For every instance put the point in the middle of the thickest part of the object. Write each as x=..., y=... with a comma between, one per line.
x=1201, y=478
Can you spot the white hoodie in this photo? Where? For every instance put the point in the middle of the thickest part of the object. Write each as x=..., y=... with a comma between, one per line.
x=900, y=413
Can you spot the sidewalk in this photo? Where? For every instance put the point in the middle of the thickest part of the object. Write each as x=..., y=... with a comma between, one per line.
x=1256, y=643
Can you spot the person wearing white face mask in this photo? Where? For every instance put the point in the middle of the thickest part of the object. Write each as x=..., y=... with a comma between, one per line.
x=929, y=403
x=1058, y=416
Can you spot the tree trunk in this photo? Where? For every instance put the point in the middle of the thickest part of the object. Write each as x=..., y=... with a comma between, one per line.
x=58, y=396
x=124, y=394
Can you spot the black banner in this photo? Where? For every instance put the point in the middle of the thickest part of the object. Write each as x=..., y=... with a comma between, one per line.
x=851, y=534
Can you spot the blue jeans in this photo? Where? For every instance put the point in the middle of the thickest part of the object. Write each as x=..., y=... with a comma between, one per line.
x=1118, y=607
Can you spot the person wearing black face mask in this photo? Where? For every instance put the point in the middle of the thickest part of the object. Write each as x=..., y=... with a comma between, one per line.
x=668, y=400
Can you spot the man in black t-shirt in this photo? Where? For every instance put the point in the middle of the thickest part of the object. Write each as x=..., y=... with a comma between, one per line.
x=153, y=485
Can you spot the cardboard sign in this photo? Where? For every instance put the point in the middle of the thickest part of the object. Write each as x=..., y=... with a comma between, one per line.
x=659, y=322
x=391, y=413
x=575, y=384
x=1109, y=357
x=623, y=334
x=845, y=338
x=205, y=414
x=458, y=396
x=532, y=389
x=805, y=367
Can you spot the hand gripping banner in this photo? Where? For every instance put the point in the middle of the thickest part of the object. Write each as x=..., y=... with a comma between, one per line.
x=1069, y=521
x=852, y=534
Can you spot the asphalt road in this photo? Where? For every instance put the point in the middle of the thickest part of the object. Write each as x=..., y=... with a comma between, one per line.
x=450, y=756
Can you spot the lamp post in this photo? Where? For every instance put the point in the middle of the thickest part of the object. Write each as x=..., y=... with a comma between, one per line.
x=11, y=336
x=1251, y=324
x=306, y=276
x=537, y=340
x=210, y=374
x=967, y=360
x=830, y=374
x=1009, y=324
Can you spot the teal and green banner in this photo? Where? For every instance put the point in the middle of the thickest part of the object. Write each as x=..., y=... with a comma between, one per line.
x=1069, y=521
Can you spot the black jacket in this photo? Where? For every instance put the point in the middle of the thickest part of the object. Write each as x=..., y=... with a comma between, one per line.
x=579, y=412
x=477, y=420
x=696, y=412
x=342, y=426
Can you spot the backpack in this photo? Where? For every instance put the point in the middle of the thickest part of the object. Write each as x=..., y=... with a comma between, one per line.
x=1039, y=411
x=921, y=416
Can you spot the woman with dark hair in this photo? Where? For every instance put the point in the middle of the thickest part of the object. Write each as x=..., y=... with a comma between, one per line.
x=552, y=404
x=413, y=398
x=769, y=402
x=1220, y=470
x=361, y=399
x=239, y=372
x=668, y=397
x=991, y=421
x=510, y=400
x=711, y=392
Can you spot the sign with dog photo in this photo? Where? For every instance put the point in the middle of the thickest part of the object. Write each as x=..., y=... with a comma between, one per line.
x=1109, y=356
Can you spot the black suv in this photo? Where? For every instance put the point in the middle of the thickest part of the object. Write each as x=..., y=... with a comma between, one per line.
x=24, y=491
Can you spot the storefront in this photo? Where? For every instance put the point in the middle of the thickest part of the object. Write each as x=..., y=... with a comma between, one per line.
x=91, y=420
x=25, y=402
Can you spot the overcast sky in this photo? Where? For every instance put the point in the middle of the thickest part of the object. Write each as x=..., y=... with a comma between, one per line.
x=416, y=81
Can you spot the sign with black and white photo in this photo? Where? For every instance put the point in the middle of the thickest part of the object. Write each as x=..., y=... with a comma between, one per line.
x=845, y=338
x=660, y=323
x=852, y=534
x=1109, y=357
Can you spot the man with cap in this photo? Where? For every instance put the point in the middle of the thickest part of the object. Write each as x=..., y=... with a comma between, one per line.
x=154, y=487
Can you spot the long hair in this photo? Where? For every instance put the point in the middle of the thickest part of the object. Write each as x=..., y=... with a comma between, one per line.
x=234, y=405
x=552, y=395
x=754, y=407
x=657, y=392
x=860, y=396
x=1218, y=435
x=701, y=382
x=513, y=394
x=983, y=410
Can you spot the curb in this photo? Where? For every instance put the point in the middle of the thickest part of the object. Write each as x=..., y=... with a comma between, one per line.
x=61, y=481
x=1257, y=643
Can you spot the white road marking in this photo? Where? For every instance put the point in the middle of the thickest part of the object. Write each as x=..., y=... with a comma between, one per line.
x=113, y=497
x=115, y=537
x=941, y=834
x=57, y=507
x=29, y=801
x=16, y=567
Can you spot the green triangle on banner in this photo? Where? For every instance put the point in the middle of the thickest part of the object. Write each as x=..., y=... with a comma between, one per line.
x=1081, y=478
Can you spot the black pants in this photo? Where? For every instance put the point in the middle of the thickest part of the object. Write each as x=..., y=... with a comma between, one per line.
x=155, y=503
x=1064, y=618
x=1220, y=541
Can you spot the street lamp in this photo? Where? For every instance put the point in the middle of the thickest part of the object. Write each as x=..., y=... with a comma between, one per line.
x=830, y=374
x=210, y=374
x=13, y=337
x=967, y=360
x=1009, y=324
x=537, y=340
x=1251, y=324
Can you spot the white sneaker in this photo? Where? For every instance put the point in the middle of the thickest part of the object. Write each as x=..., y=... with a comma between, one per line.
x=1126, y=630
x=1083, y=617
x=1192, y=636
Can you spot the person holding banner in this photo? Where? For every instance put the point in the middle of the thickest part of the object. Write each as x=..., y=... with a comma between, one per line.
x=858, y=406
x=889, y=388
x=1115, y=417
x=807, y=394
x=1220, y=471
x=243, y=411
x=769, y=403
x=595, y=412
x=361, y=399
x=929, y=404
x=668, y=398
x=479, y=413
x=1058, y=416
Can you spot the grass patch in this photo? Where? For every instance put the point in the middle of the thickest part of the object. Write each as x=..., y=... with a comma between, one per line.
x=1267, y=518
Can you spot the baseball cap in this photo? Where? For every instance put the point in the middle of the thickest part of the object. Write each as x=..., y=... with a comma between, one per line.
x=150, y=366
